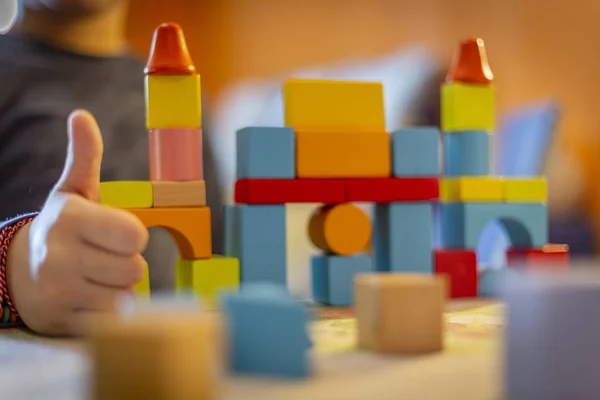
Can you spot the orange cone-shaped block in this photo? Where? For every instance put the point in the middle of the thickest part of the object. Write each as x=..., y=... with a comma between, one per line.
x=470, y=64
x=169, y=54
x=342, y=229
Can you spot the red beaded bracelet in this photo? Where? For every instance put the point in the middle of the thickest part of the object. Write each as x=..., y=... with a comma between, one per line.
x=8, y=313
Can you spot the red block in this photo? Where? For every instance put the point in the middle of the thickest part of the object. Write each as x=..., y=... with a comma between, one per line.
x=387, y=190
x=281, y=191
x=461, y=267
x=551, y=256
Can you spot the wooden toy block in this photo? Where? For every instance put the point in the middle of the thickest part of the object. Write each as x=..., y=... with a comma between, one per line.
x=550, y=256
x=281, y=191
x=158, y=355
x=467, y=153
x=268, y=334
x=400, y=313
x=462, y=223
x=342, y=229
x=467, y=107
x=333, y=277
x=470, y=64
x=333, y=105
x=388, y=190
x=263, y=152
x=256, y=235
x=142, y=288
x=525, y=190
x=403, y=237
x=460, y=266
x=551, y=337
x=208, y=278
x=173, y=101
x=342, y=154
x=472, y=189
x=416, y=152
x=179, y=194
x=126, y=194
x=169, y=54
x=189, y=227
x=176, y=154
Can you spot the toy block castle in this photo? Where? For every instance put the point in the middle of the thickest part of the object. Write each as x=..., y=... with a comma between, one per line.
x=175, y=197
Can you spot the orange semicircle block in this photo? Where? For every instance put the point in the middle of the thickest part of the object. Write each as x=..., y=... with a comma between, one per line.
x=470, y=64
x=342, y=229
x=169, y=54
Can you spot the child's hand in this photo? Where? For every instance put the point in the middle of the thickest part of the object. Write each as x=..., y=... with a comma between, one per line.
x=77, y=256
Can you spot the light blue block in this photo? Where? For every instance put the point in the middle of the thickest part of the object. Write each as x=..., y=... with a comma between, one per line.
x=333, y=277
x=467, y=153
x=268, y=332
x=416, y=152
x=492, y=281
x=526, y=224
x=403, y=237
x=266, y=152
x=256, y=235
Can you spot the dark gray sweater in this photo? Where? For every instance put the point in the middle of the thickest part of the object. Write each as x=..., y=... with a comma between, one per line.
x=39, y=86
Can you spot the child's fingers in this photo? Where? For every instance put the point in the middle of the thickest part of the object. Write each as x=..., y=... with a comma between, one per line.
x=109, y=269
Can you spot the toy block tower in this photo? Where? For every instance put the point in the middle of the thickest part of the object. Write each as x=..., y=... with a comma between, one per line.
x=470, y=196
x=175, y=198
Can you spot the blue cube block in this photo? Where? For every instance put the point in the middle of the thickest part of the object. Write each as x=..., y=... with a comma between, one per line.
x=268, y=332
x=467, y=153
x=526, y=224
x=403, y=237
x=256, y=235
x=267, y=152
x=333, y=277
x=416, y=152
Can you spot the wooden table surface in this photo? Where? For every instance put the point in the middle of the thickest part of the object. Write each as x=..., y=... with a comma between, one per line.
x=469, y=368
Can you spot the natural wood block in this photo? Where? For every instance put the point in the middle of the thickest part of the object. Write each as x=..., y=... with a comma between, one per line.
x=176, y=355
x=400, y=313
x=179, y=194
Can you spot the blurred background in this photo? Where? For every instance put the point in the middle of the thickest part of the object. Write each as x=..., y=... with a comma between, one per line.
x=540, y=54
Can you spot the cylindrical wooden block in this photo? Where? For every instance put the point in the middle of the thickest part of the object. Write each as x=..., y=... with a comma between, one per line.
x=400, y=313
x=176, y=154
x=342, y=229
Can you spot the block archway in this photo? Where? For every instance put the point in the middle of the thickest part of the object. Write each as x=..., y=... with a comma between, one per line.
x=189, y=227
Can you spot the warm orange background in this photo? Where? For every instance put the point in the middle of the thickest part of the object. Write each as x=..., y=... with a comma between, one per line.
x=536, y=49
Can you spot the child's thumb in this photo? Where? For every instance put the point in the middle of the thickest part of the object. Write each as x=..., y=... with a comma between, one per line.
x=81, y=174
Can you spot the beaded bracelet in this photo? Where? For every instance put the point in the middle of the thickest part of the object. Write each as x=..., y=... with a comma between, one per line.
x=8, y=313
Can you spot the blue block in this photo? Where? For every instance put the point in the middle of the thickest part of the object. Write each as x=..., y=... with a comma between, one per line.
x=467, y=153
x=256, y=235
x=268, y=152
x=526, y=224
x=333, y=277
x=492, y=281
x=268, y=331
x=416, y=152
x=403, y=237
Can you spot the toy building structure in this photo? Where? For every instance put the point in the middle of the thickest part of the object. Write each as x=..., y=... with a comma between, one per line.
x=334, y=150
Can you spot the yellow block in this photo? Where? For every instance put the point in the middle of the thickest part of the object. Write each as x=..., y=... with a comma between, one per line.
x=173, y=101
x=126, y=194
x=342, y=154
x=333, y=105
x=525, y=190
x=142, y=288
x=467, y=107
x=472, y=189
x=208, y=277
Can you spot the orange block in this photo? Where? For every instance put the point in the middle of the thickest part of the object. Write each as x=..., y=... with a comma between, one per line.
x=342, y=154
x=342, y=229
x=189, y=227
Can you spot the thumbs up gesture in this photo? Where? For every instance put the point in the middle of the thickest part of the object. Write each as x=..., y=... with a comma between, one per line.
x=77, y=257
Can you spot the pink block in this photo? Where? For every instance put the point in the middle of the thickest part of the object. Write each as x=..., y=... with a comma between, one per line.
x=176, y=154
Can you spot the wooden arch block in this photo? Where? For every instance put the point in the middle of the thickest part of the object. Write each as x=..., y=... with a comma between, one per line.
x=189, y=227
